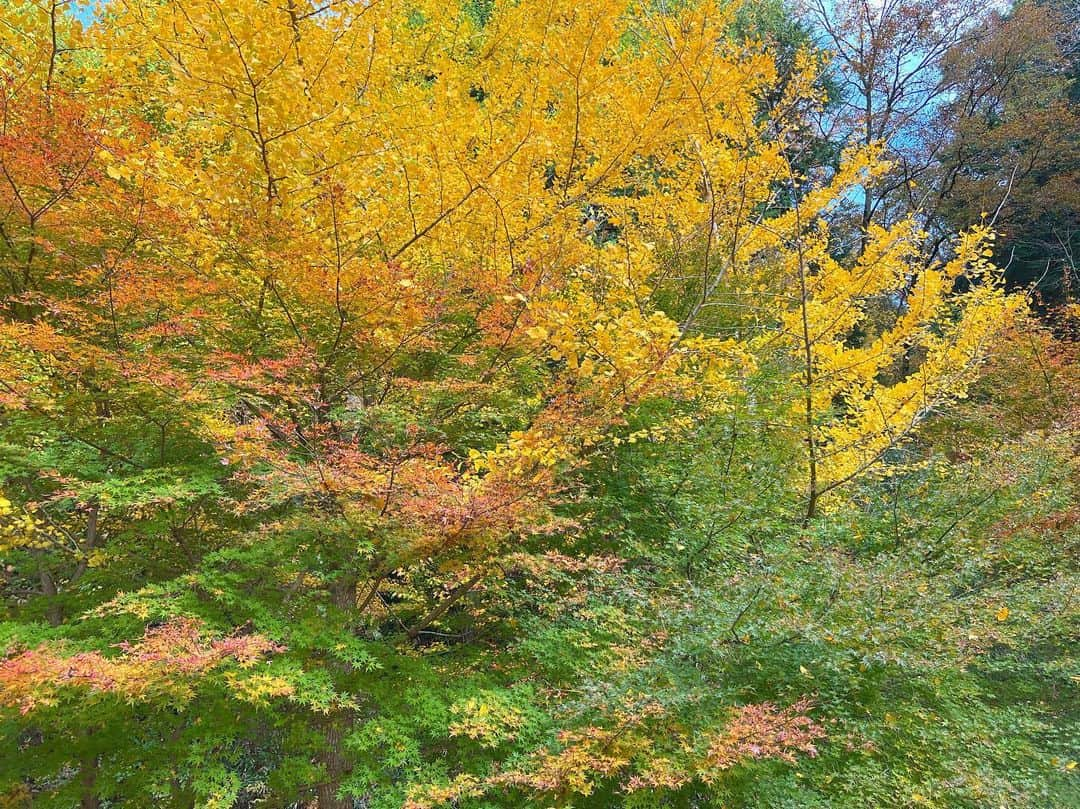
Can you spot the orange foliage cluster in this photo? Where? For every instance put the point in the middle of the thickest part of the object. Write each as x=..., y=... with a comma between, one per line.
x=590, y=755
x=764, y=731
x=158, y=664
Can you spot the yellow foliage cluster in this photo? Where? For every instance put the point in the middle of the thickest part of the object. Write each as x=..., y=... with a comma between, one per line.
x=587, y=184
x=489, y=719
x=21, y=530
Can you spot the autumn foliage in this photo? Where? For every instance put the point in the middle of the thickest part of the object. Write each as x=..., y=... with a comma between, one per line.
x=325, y=332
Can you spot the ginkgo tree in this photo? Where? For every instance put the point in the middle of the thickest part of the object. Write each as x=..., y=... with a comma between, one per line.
x=314, y=315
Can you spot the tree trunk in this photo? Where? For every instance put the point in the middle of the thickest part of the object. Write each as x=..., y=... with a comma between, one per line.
x=333, y=757
x=336, y=763
x=54, y=611
x=88, y=772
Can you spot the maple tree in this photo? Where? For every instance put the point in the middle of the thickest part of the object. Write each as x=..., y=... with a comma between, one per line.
x=326, y=329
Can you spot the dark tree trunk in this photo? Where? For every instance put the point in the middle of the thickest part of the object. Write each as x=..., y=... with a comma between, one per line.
x=88, y=773
x=336, y=763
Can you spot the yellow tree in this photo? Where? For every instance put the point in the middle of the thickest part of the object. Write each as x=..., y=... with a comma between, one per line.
x=380, y=207
x=355, y=181
x=868, y=382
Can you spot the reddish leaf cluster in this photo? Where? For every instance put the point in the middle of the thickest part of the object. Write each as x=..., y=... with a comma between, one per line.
x=156, y=664
x=760, y=731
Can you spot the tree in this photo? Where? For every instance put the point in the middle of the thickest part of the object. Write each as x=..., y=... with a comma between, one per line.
x=1013, y=146
x=971, y=105
x=889, y=63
